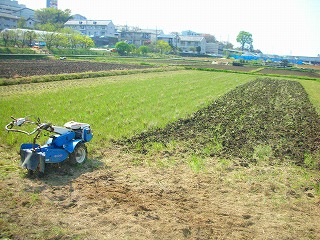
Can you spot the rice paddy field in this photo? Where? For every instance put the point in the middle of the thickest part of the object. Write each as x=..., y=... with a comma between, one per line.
x=182, y=154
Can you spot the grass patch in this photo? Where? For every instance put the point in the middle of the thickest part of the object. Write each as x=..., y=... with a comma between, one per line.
x=313, y=90
x=196, y=163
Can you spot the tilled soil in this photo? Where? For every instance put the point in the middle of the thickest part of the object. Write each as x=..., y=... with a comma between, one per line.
x=290, y=72
x=273, y=118
x=25, y=68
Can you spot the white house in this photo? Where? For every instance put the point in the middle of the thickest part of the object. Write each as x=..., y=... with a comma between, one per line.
x=187, y=43
x=93, y=28
x=212, y=48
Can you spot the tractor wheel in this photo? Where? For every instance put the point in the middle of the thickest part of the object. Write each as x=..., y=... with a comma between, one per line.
x=79, y=154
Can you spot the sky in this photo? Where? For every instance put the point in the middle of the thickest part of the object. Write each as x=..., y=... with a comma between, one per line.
x=282, y=27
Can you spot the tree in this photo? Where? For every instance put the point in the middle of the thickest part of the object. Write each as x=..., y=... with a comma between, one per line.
x=50, y=36
x=71, y=39
x=52, y=16
x=163, y=46
x=123, y=48
x=22, y=22
x=17, y=38
x=284, y=63
x=30, y=37
x=226, y=45
x=198, y=49
x=86, y=42
x=245, y=38
x=209, y=38
x=193, y=49
x=144, y=50
x=7, y=36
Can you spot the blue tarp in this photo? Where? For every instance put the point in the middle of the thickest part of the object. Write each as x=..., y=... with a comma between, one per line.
x=265, y=58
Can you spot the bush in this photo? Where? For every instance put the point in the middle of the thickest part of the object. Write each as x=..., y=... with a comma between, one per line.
x=13, y=50
x=237, y=64
x=79, y=51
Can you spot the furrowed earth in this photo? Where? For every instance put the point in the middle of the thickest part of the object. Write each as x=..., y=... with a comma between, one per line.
x=25, y=68
x=222, y=173
x=266, y=116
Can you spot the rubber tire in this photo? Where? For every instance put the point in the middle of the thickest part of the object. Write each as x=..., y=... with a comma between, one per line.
x=79, y=154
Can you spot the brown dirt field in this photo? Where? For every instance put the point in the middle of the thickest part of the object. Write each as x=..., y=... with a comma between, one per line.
x=24, y=68
x=314, y=67
x=230, y=67
x=289, y=72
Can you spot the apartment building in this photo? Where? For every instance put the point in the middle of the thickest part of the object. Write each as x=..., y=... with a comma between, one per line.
x=137, y=36
x=12, y=11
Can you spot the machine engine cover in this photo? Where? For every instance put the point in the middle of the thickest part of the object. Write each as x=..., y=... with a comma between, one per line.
x=76, y=125
x=82, y=130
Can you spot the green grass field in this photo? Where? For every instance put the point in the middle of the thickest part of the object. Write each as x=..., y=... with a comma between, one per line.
x=313, y=90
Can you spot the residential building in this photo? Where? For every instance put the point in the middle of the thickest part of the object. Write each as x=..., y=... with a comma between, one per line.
x=188, y=43
x=137, y=36
x=212, y=48
x=189, y=33
x=154, y=33
x=93, y=28
x=8, y=21
x=12, y=11
x=172, y=39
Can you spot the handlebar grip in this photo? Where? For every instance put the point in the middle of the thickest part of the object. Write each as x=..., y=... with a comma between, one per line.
x=9, y=126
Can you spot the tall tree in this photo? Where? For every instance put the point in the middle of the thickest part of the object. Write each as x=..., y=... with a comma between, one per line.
x=245, y=38
x=53, y=16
